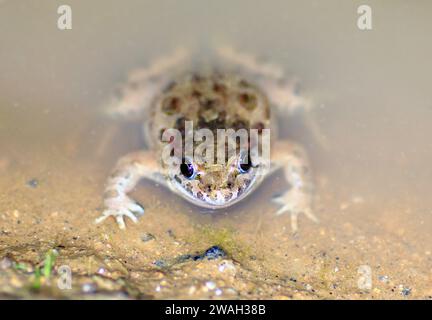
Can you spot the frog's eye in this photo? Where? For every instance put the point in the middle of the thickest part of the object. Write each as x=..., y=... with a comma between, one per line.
x=188, y=170
x=244, y=165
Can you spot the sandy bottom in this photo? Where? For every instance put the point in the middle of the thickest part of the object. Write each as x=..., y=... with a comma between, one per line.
x=51, y=190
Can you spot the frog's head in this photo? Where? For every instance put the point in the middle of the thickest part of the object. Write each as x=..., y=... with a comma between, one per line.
x=214, y=185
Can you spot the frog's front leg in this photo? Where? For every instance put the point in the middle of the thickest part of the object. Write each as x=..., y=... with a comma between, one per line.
x=126, y=174
x=292, y=159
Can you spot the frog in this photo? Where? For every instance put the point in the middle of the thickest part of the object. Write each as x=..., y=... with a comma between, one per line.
x=235, y=91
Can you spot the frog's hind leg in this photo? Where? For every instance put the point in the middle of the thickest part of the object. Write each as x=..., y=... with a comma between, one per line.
x=282, y=92
x=292, y=159
x=128, y=171
x=132, y=98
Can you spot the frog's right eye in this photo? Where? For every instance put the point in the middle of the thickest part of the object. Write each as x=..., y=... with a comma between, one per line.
x=243, y=165
x=188, y=170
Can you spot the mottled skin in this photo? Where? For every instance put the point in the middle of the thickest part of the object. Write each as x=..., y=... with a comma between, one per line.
x=247, y=95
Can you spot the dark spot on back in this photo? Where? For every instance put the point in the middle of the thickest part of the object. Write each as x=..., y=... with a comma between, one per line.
x=259, y=126
x=33, y=183
x=180, y=125
x=247, y=100
x=219, y=88
x=196, y=94
x=239, y=124
x=222, y=116
x=171, y=105
x=207, y=103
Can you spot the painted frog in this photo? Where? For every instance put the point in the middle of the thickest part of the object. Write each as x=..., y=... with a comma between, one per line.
x=238, y=92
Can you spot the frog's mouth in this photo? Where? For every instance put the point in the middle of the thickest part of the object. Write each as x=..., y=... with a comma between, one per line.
x=212, y=203
x=221, y=198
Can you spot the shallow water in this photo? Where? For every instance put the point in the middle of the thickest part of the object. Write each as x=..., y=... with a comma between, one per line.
x=372, y=106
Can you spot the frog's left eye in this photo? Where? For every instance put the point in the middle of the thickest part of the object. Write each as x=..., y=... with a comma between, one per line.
x=244, y=164
x=188, y=170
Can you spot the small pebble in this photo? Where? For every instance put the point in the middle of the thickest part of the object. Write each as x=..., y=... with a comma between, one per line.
x=192, y=290
x=226, y=266
x=160, y=263
x=406, y=291
x=210, y=285
x=308, y=287
x=214, y=253
x=218, y=292
x=33, y=183
x=101, y=271
x=384, y=279
x=16, y=214
x=89, y=288
x=376, y=291
x=211, y=254
x=5, y=263
x=231, y=291
x=147, y=237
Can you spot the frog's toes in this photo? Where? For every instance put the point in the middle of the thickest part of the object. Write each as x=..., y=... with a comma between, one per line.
x=295, y=204
x=120, y=208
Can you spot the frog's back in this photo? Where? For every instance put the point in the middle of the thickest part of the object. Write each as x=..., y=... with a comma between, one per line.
x=212, y=101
